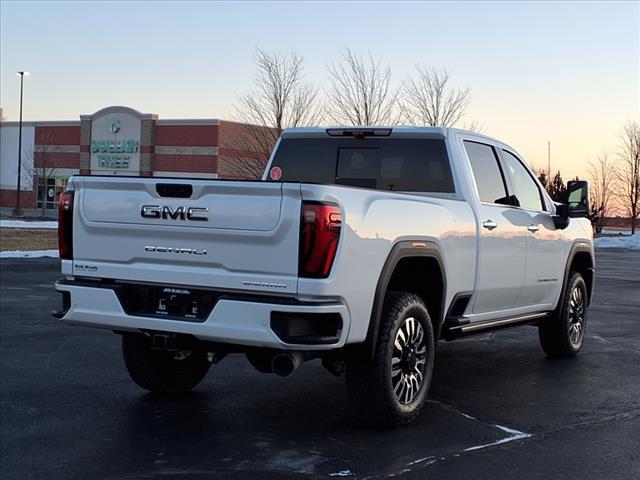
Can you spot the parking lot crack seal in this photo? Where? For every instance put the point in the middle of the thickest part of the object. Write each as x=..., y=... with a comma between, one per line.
x=51, y=355
x=615, y=344
x=617, y=417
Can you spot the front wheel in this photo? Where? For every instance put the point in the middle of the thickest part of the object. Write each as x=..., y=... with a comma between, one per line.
x=163, y=371
x=391, y=389
x=562, y=334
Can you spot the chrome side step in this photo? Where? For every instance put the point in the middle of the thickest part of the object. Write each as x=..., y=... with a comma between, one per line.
x=472, y=327
x=463, y=326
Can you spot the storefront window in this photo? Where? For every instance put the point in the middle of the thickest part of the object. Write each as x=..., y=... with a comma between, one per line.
x=49, y=190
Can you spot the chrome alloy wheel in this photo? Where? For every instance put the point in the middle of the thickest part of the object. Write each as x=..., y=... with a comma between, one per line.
x=576, y=315
x=408, y=360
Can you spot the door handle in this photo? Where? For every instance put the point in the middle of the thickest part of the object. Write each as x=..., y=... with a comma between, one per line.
x=489, y=224
x=533, y=228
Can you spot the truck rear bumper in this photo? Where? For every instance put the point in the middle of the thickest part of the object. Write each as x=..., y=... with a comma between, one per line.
x=252, y=322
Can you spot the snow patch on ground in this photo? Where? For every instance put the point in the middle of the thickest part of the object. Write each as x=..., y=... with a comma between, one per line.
x=29, y=254
x=610, y=231
x=27, y=224
x=622, y=241
x=342, y=473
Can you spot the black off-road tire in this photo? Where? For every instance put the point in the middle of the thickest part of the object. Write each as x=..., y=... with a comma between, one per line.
x=162, y=371
x=370, y=382
x=558, y=336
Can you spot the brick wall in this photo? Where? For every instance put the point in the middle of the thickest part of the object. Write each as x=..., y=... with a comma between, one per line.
x=187, y=135
x=53, y=160
x=187, y=163
x=28, y=199
x=57, y=146
x=186, y=148
x=57, y=135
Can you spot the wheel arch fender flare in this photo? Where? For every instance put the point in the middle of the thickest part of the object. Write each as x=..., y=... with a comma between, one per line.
x=578, y=247
x=402, y=250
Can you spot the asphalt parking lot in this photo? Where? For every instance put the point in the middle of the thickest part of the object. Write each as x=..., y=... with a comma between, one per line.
x=498, y=408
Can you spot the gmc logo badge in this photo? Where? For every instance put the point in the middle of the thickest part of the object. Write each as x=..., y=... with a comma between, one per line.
x=197, y=214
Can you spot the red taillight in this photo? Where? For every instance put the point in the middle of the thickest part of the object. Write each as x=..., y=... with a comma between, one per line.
x=65, y=226
x=319, y=236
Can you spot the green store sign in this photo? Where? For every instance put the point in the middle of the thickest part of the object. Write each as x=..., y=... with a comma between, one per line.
x=120, y=147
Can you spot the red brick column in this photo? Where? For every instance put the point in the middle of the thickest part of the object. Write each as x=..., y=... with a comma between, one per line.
x=147, y=144
x=85, y=143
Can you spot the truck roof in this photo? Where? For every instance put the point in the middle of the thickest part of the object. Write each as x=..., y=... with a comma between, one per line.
x=395, y=131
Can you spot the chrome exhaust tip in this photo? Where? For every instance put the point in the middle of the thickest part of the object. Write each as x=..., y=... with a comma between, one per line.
x=284, y=364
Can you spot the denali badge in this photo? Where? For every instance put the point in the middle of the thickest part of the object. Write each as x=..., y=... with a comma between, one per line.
x=178, y=213
x=190, y=251
x=249, y=283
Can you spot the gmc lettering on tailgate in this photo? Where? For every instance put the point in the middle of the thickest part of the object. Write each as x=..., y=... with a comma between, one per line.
x=197, y=214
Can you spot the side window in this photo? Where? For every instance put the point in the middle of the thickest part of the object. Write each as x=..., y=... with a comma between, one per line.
x=524, y=186
x=487, y=173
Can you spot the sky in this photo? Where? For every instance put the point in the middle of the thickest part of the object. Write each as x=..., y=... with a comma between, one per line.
x=564, y=72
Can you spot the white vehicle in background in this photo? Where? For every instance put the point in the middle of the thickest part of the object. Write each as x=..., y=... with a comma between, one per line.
x=361, y=247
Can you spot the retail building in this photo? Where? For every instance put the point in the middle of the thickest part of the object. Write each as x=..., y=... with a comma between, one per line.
x=113, y=141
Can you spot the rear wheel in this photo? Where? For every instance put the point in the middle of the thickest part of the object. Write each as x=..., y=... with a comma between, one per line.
x=163, y=371
x=562, y=334
x=391, y=389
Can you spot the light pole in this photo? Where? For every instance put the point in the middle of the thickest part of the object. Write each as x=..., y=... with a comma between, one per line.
x=17, y=212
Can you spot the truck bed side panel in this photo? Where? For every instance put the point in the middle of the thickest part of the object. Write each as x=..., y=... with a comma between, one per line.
x=373, y=222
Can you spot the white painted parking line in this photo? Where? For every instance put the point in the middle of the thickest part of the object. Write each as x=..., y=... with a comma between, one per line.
x=513, y=435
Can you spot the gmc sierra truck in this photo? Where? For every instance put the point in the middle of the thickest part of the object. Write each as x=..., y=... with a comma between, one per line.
x=360, y=247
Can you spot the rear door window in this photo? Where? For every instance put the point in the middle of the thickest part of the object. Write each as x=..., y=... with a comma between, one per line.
x=413, y=165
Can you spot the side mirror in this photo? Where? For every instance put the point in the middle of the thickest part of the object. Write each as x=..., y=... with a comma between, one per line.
x=510, y=200
x=561, y=218
x=578, y=198
x=576, y=204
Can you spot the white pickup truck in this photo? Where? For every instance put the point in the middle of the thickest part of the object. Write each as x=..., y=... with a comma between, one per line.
x=361, y=247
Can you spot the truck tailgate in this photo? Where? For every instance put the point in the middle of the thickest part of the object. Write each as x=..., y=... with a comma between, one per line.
x=209, y=233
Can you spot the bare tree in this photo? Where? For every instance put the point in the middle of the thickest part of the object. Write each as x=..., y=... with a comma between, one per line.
x=244, y=149
x=628, y=172
x=602, y=174
x=475, y=126
x=361, y=92
x=44, y=166
x=430, y=100
x=280, y=98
